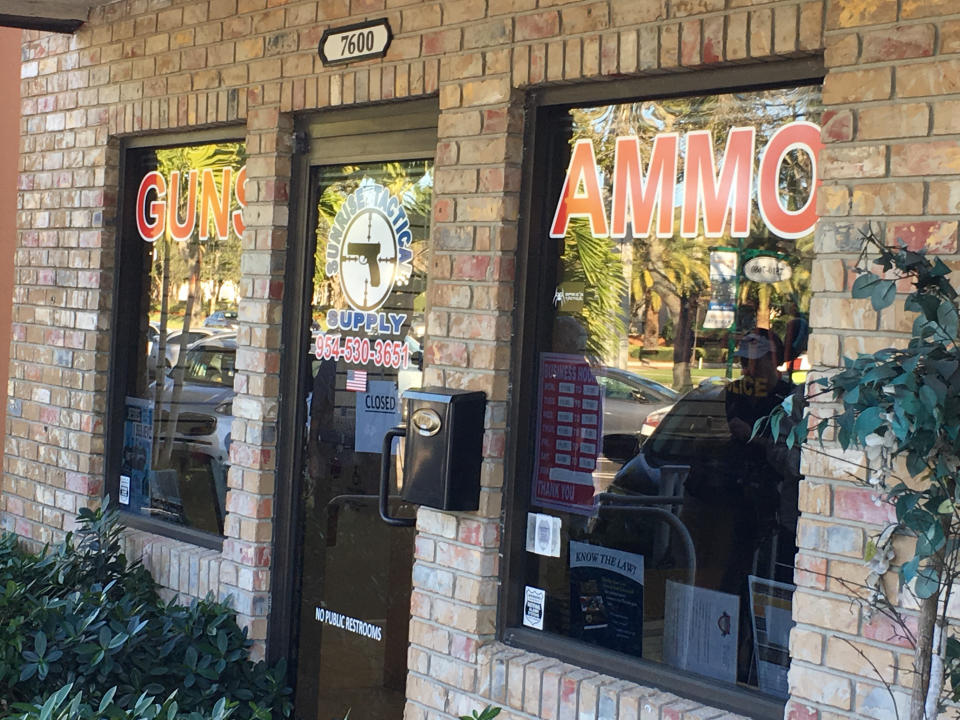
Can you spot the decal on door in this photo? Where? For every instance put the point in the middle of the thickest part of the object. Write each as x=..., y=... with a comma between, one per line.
x=369, y=251
x=369, y=247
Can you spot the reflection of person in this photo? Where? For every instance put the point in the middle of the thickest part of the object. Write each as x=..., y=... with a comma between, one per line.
x=769, y=474
x=760, y=387
x=320, y=455
x=795, y=337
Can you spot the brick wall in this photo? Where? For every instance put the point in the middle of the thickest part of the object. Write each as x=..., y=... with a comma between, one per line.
x=890, y=129
x=147, y=66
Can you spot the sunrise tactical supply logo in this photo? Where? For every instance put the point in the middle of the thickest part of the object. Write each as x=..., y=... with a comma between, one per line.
x=369, y=247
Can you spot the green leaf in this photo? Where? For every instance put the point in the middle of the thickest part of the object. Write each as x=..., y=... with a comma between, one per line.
x=868, y=421
x=190, y=657
x=908, y=570
x=107, y=699
x=883, y=295
x=928, y=582
x=863, y=285
x=946, y=507
x=947, y=318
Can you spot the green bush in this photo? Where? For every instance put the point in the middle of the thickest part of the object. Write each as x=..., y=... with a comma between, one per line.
x=78, y=616
x=61, y=705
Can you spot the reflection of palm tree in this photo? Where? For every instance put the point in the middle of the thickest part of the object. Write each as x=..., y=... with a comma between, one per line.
x=673, y=272
x=594, y=262
x=185, y=259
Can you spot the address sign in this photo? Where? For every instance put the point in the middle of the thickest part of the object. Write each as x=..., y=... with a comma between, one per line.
x=351, y=43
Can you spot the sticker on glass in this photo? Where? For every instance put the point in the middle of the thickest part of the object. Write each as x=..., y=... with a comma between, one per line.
x=378, y=410
x=369, y=247
x=533, y=601
x=543, y=534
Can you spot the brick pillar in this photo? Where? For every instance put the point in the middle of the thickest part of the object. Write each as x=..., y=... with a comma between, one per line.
x=245, y=573
x=881, y=164
x=471, y=290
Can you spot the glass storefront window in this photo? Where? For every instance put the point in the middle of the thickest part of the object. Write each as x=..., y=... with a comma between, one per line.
x=179, y=294
x=673, y=315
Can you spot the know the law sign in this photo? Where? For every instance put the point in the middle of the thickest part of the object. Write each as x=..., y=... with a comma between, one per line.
x=722, y=197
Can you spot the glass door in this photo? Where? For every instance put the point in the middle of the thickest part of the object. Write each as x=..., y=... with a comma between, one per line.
x=361, y=349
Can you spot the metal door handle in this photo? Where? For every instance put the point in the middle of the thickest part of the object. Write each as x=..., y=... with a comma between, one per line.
x=399, y=431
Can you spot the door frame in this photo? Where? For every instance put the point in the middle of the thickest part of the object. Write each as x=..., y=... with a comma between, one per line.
x=333, y=137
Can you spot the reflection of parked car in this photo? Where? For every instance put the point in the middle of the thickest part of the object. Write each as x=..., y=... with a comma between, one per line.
x=153, y=334
x=204, y=416
x=628, y=398
x=171, y=346
x=693, y=432
x=222, y=319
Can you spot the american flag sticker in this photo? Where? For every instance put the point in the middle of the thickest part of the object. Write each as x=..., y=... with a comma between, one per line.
x=357, y=380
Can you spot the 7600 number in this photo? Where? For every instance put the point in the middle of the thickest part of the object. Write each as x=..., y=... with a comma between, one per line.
x=356, y=43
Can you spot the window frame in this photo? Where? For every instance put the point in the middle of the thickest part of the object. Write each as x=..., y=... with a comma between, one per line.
x=128, y=275
x=546, y=111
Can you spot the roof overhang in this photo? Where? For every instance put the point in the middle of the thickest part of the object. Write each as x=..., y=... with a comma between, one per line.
x=61, y=16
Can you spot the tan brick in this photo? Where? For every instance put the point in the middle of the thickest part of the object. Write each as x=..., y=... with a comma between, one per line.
x=828, y=274
x=855, y=13
x=833, y=201
x=584, y=18
x=912, y=9
x=785, y=30
x=820, y=687
x=928, y=78
x=857, y=86
x=630, y=12
x=853, y=162
x=571, y=58
x=488, y=91
x=815, y=497
x=537, y=26
x=848, y=578
x=685, y=8
x=555, y=60
x=841, y=50
x=949, y=36
x=690, y=42
x=943, y=197
x=888, y=199
x=843, y=313
x=811, y=26
x=925, y=158
x=827, y=613
x=419, y=18
x=669, y=45
x=897, y=43
x=860, y=659
x=761, y=33
x=892, y=121
x=806, y=645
